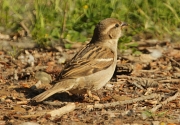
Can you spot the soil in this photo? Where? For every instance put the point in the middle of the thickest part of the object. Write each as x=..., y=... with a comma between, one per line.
x=144, y=89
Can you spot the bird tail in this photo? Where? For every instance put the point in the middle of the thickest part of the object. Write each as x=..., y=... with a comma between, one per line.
x=44, y=95
x=58, y=87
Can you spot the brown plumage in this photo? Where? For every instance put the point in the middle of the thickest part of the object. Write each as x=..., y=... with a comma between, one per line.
x=93, y=66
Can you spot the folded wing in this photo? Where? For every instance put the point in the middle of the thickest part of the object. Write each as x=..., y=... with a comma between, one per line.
x=90, y=59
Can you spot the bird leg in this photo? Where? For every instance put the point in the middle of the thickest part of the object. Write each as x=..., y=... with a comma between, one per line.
x=69, y=93
x=96, y=98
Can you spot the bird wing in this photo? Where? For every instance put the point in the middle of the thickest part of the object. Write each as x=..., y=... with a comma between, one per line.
x=88, y=60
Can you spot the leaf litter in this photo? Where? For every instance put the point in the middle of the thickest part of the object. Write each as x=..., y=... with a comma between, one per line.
x=143, y=90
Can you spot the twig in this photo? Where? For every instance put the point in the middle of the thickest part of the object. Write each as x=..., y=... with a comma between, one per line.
x=165, y=102
x=113, y=104
x=22, y=102
x=61, y=111
x=25, y=28
x=149, y=71
x=57, y=112
x=55, y=103
x=174, y=61
x=124, y=77
x=170, y=81
x=29, y=116
x=34, y=114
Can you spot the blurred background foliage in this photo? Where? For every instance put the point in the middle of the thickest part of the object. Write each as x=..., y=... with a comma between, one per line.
x=74, y=20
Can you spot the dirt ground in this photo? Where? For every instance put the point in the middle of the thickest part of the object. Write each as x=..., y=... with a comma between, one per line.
x=144, y=89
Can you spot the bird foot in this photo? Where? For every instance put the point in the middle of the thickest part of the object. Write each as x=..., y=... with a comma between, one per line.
x=93, y=97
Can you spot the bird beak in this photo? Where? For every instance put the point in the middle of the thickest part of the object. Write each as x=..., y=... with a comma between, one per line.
x=123, y=24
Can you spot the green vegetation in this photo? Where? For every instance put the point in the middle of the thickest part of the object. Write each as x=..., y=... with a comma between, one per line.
x=149, y=114
x=74, y=20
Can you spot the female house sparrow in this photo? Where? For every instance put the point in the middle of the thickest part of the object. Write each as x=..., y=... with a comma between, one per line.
x=93, y=66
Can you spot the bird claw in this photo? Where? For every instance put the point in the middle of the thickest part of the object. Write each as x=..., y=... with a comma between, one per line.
x=93, y=97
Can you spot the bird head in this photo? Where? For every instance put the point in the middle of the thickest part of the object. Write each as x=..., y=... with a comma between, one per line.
x=109, y=28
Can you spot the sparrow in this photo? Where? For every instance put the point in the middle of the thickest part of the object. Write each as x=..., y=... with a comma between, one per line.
x=93, y=66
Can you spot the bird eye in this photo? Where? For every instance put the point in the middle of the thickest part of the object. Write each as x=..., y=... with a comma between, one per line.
x=116, y=25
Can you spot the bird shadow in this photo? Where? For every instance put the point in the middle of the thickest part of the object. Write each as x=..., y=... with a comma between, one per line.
x=63, y=97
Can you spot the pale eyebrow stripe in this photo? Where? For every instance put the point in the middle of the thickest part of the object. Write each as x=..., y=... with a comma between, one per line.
x=108, y=28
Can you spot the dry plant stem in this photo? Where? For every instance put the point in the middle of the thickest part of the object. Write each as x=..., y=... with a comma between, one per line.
x=35, y=114
x=57, y=112
x=55, y=103
x=64, y=20
x=22, y=102
x=113, y=104
x=165, y=102
x=129, y=77
x=149, y=71
x=170, y=81
x=25, y=28
x=29, y=116
x=61, y=111
x=174, y=61
x=123, y=77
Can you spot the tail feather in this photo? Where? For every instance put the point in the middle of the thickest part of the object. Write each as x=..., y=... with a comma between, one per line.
x=44, y=95
x=58, y=87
